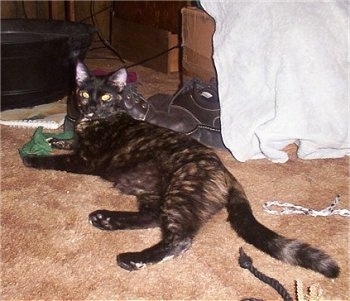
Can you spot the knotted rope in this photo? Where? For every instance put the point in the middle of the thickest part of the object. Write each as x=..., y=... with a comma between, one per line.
x=246, y=262
x=287, y=208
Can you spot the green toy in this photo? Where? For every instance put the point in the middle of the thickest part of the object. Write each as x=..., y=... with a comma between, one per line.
x=39, y=145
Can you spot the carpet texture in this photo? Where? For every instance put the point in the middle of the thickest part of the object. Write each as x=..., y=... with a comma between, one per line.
x=50, y=251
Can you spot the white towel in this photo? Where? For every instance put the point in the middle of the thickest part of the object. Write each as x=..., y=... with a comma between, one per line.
x=283, y=77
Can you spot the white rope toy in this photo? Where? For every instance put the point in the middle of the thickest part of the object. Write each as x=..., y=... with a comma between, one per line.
x=27, y=123
x=287, y=208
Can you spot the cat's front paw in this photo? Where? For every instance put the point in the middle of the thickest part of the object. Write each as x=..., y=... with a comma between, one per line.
x=60, y=144
x=28, y=161
x=104, y=220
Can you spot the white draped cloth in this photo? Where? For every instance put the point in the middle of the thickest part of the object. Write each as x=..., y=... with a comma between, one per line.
x=283, y=77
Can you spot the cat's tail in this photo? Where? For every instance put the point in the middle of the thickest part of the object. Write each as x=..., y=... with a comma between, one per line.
x=288, y=250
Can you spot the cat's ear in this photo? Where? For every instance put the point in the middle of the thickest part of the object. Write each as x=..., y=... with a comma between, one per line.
x=118, y=79
x=81, y=73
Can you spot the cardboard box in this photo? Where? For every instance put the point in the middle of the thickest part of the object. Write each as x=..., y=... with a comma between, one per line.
x=197, y=32
x=136, y=43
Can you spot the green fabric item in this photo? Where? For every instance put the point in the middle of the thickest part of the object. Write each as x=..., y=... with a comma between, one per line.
x=38, y=144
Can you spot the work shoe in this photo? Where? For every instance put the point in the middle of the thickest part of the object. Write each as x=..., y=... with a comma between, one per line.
x=193, y=110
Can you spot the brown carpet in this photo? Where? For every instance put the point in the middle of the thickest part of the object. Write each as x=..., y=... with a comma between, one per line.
x=50, y=251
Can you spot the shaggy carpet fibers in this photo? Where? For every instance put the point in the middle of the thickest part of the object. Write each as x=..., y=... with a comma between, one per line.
x=50, y=251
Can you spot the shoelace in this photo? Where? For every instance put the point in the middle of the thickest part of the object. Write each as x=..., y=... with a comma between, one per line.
x=188, y=85
x=287, y=208
x=202, y=126
x=185, y=87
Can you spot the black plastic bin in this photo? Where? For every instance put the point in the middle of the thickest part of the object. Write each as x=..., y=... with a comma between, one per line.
x=38, y=58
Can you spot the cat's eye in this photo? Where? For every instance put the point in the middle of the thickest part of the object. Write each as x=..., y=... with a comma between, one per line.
x=84, y=94
x=106, y=97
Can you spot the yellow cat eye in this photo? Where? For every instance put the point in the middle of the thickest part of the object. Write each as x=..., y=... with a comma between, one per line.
x=106, y=97
x=84, y=94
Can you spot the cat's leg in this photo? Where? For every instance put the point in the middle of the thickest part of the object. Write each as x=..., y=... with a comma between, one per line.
x=121, y=220
x=146, y=217
x=158, y=253
x=67, y=162
x=179, y=226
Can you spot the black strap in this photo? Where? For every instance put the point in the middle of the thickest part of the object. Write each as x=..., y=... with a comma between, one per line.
x=246, y=262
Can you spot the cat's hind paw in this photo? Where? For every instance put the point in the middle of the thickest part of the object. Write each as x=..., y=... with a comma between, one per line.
x=158, y=253
x=130, y=261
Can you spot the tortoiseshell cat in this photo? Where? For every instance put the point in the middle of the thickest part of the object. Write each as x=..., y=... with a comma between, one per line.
x=179, y=183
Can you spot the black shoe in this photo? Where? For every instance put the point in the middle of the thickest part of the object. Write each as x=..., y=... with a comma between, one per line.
x=193, y=110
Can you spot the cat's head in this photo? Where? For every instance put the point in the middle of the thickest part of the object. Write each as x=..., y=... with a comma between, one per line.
x=99, y=96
